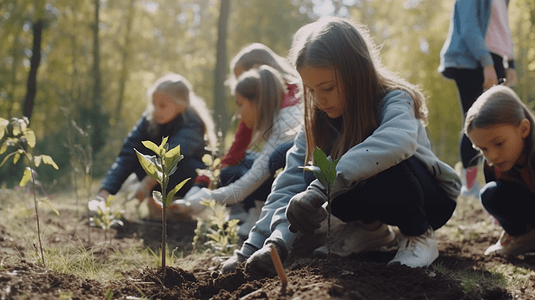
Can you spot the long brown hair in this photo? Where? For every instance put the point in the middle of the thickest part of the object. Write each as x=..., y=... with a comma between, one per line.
x=265, y=88
x=501, y=105
x=338, y=44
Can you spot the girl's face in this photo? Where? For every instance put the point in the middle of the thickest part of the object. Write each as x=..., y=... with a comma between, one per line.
x=502, y=145
x=165, y=108
x=247, y=111
x=325, y=88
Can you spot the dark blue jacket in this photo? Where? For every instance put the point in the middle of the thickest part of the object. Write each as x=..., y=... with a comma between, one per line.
x=186, y=130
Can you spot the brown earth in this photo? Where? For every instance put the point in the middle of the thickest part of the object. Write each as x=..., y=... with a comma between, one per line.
x=363, y=276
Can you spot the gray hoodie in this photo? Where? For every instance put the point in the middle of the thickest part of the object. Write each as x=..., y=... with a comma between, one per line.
x=399, y=136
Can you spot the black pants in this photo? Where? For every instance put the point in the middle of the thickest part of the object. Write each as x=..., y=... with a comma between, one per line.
x=510, y=204
x=405, y=195
x=470, y=86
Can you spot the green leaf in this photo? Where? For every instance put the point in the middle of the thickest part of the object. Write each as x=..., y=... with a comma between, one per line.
x=16, y=158
x=7, y=157
x=164, y=141
x=148, y=165
x=3, y=149
x=321, y=160
x=175, y=152
x=207, y=159
x=47, y=203
x=151, y=146
x=29, y=135
x=26, y=177
x=174, y=191
x=37, y=161
x=49, y=161
x=157, y=197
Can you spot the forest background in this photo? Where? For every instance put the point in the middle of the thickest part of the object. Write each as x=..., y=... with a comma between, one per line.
x=58, y=66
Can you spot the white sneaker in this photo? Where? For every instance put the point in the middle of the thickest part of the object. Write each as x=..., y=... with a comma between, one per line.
x=355, y=237
x=252, y=216
x=417, y=251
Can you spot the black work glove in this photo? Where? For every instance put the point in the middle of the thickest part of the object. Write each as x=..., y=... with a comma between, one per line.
x=305, y=211
x=260, y=263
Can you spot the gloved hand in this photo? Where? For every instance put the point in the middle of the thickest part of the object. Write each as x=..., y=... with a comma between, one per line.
x=305, y=211
x=230, y=264
x=260, y=263
x=191, y=205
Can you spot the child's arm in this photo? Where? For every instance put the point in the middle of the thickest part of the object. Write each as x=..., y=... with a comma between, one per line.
x=273, y=225
x=190, y=136
x=236, y=153
x=394, y=140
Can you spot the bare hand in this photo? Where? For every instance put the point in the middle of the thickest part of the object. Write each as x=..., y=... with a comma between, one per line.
x=490, y=77
x=510, y=77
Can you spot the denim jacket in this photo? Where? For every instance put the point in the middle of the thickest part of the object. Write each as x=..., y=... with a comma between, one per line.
x=465, y=47
x=186, y=130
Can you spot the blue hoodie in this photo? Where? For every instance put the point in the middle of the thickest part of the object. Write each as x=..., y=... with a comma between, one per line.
x=465, y=47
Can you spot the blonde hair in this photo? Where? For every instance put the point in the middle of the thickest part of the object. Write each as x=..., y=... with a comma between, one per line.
x=180, y=90
x=500, y=105
x=265, y=88
x=338, y=44
x=255, y=55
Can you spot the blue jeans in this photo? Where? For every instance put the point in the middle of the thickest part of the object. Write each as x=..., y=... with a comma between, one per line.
x=405, y=195
x=510, y=204
x=277, y=160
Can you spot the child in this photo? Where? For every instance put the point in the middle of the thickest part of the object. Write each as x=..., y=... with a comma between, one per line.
x=499, y=125
x=477, y=53
x=238, y=161
x=175, y=111
x=370, y=119
x=259, y=94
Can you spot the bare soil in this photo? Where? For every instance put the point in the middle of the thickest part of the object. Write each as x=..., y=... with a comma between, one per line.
x=363, y=276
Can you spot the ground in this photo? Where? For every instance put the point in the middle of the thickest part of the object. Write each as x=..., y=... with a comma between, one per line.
x=363, y=276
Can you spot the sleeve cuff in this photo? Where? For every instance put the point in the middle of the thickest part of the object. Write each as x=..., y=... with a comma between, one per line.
x=202, y=180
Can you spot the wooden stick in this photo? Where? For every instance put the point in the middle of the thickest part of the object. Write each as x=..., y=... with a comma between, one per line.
x=278, y=266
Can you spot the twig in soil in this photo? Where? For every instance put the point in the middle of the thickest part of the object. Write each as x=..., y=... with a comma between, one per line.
x=251, y=294
x=278, y=266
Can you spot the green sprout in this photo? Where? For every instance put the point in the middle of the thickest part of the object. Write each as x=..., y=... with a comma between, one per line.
x=217, y=233
x=16, y=133
x=160, y=167
x=106, y=217
x=325, y=171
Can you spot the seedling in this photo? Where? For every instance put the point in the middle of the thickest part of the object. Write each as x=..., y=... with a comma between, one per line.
x=16, y=133
x=325, y=171
x=212, y=170
x=160, y=167
x=106, y=217
x=217, y=230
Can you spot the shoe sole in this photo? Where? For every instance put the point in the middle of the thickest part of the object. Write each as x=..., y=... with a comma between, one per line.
x=369, y=245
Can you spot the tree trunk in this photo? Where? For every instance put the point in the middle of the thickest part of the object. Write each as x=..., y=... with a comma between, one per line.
x=34, y=65
x=220, y=99
x=125, y=51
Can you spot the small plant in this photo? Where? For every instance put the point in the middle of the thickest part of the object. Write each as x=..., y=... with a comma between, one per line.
x=212, y=171
x=217, y=232
x=160, y=167
x=106, y=216
x=16, y=133
x=325, y=172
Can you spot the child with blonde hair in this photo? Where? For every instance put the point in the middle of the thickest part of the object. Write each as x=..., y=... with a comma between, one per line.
x=500, y=126
x=174, y=111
